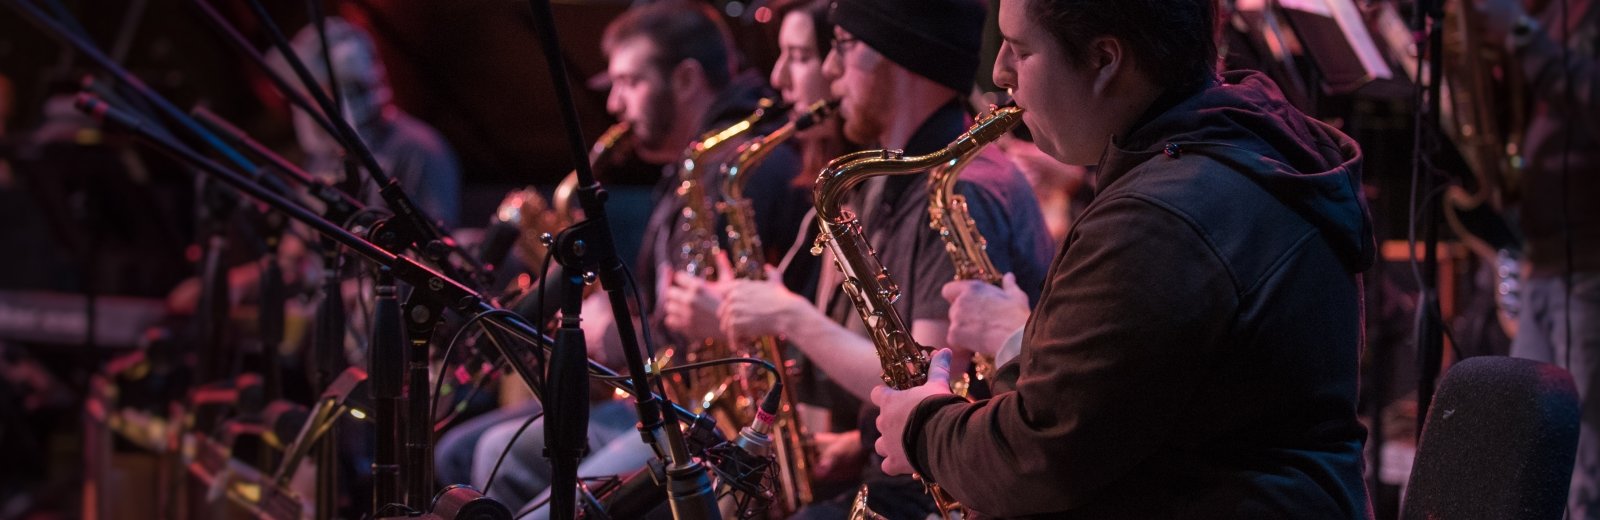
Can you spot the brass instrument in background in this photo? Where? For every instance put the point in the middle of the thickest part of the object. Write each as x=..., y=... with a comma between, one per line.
x=710, y=389
x=793, y=453
x=535, y=216
x=859, y=509
x=1482, y=113
x=947, y=214
x=866, y=281
x=1484, y=116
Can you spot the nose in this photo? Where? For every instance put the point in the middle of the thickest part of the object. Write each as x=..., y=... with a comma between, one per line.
x=832, y=66
x=614, y=102
x=1004, y=75
x=780, y=73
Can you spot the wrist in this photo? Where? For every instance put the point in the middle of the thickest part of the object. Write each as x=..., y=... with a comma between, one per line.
x=792, y=322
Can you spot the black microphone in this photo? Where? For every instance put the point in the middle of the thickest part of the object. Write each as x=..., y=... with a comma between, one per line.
x=459, y=502
x=638, y=495
x=689, y=491
x=741, y=465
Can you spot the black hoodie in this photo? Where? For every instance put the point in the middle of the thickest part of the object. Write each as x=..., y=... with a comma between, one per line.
x=1194, y=353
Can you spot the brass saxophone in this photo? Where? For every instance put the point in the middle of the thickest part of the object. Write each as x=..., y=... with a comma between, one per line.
x=697, y=252
x=793, y=453
x=866, y=281
x=947, y=214
x=535, y=216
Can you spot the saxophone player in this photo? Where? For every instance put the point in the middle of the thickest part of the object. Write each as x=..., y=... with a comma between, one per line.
x=674, y=75
x=1194, y=352
x=900, y=69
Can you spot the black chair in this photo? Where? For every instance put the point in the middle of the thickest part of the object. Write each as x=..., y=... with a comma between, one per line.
x=1499, y=442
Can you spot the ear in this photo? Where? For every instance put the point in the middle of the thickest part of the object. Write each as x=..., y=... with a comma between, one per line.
x=687, y=79
x=1109, y=58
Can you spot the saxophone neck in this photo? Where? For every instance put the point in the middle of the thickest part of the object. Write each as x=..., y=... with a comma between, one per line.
x=849, y=171
x=608, y=140
x=718, y=139
x=752, y=154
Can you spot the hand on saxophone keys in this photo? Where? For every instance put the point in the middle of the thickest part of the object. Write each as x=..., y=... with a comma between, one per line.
x=689, y=304
x=755, y=308
x=894, y=409
x=982, y=316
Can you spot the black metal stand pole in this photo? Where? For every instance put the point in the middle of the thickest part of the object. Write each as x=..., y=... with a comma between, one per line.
x=566, y=420
x=386, y=356
x=1429, y=334
x=591, y=243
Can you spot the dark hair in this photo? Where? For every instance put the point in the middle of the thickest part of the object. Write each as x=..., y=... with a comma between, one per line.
x=820, y=21
x=681, y=30
x=1175, y=41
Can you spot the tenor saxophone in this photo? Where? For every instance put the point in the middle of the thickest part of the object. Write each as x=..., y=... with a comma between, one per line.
x=698, y=247
x=793, y=456
x=947, y=214
x=866, y=281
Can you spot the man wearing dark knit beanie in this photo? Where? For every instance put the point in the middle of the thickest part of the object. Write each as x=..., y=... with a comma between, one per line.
x=900, y=69
x=899, y=60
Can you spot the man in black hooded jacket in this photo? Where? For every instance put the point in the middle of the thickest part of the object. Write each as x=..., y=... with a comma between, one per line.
x=1194, y=352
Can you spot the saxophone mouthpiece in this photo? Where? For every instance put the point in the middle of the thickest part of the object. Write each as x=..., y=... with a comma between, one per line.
x=769, y=108
x=996, y=123
x=818, y=112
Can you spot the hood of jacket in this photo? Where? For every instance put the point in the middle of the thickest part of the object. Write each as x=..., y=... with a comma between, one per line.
x=1243, y=121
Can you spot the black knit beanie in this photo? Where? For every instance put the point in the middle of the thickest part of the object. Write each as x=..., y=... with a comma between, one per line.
x=936, y=39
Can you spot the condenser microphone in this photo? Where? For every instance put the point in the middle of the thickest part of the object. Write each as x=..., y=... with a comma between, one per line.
x=743, y=465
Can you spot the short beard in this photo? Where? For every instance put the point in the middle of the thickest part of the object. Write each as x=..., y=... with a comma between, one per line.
x=866, y=126
x=661, y=112
x=863, y=128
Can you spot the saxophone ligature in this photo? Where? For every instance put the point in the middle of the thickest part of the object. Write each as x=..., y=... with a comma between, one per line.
x=792, y=456
x=868, y=284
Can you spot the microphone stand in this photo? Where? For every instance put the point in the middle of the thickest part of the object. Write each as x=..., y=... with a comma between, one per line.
x=338, y=206
x=1429, y=17
x=326, y=357
x=427, y=283
x=212, y=312
x=384, y=356
x=437, y=288
x=589, y=246
x=409, y=226
x=243, y=45
x=273, y=299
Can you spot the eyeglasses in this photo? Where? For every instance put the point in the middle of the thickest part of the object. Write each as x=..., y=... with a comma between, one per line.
x=845, y=43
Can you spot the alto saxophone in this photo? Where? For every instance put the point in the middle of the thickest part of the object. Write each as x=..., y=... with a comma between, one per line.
x=793, y=456
x=947, y=214
x=866, y=281
x=697, y=252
